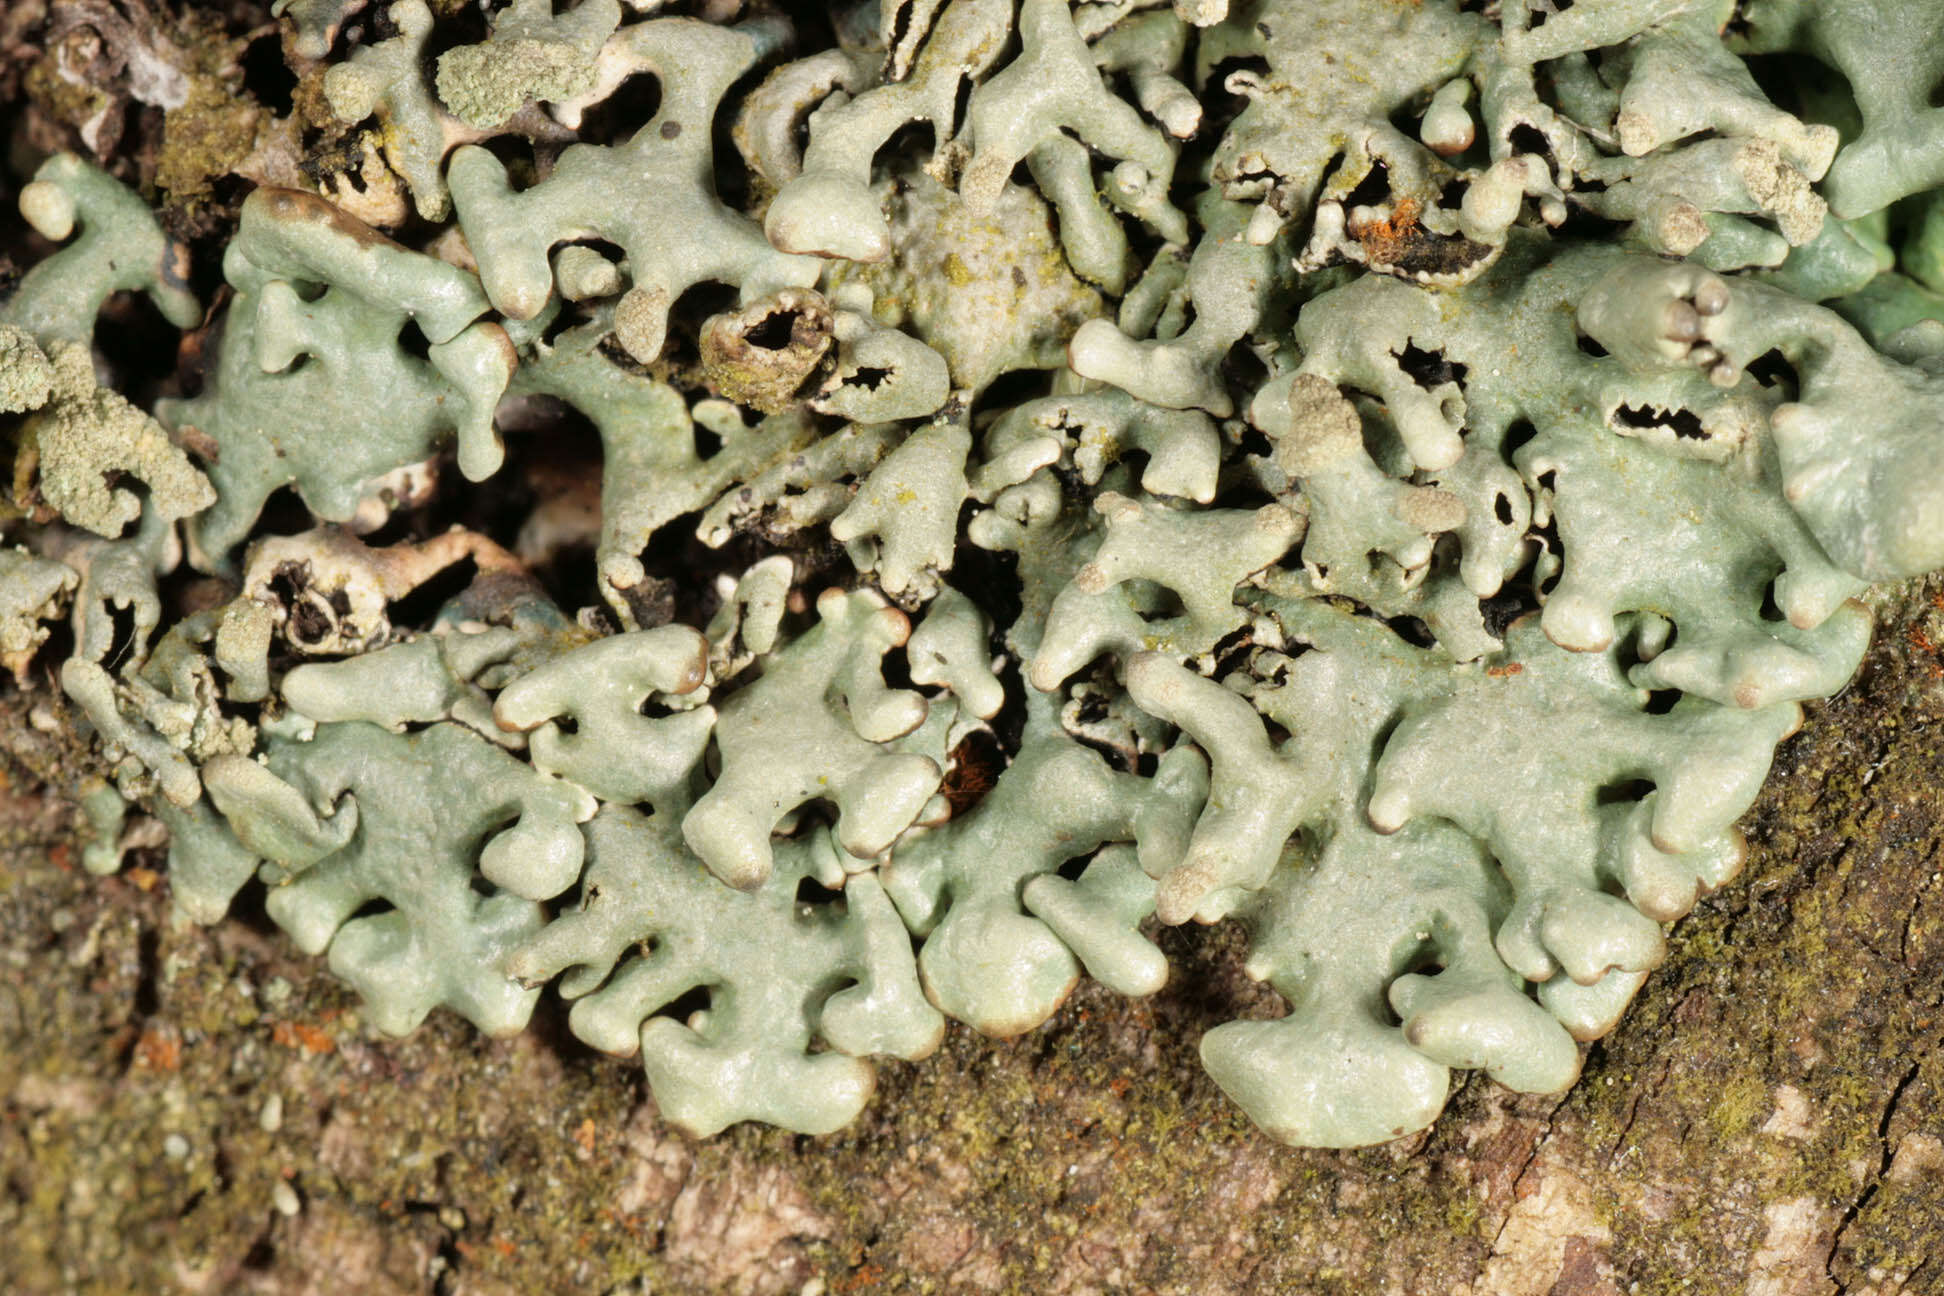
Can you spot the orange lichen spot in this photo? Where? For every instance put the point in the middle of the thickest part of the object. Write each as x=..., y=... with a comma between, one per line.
x=159, y=1048
x=300, y=1035
x=1387, y=239
x=1926, y=645
x=1505, y=671
x=865, y=1278
x=584, y=1136
x=145, y=879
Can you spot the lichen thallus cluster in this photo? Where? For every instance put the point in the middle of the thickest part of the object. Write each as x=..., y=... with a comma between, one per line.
x=1385, y=473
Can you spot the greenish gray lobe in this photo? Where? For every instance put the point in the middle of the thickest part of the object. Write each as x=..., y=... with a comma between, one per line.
x=654, y=196
x=116, y=576
x=1229, y=282
x=903, y=523
x=950, y=648
x=1005, y=936
x=118, y=247
x=370, y=406
x=613, y=750
x=828, y=209
x=817, y=723
x=762, y=956
x=881, y=375
x=1199, y=555
x=1090, y=433
x=428, y=807
x=1052, y=92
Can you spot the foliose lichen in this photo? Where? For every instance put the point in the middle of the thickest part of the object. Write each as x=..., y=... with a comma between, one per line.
x=944, y=485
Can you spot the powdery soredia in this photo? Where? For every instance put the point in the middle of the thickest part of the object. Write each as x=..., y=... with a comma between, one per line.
x=790, y=532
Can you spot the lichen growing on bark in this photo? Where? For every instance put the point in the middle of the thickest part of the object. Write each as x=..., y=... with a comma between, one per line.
x=1344, y=491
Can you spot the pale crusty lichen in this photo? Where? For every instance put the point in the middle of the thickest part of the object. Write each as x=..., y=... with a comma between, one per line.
x=990, y=293
x=532, y=54
x=26, y=374
x=83, y=437
x=32, y=591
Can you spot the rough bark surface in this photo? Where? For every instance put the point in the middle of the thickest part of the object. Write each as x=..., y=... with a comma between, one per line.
x=187, y=1109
